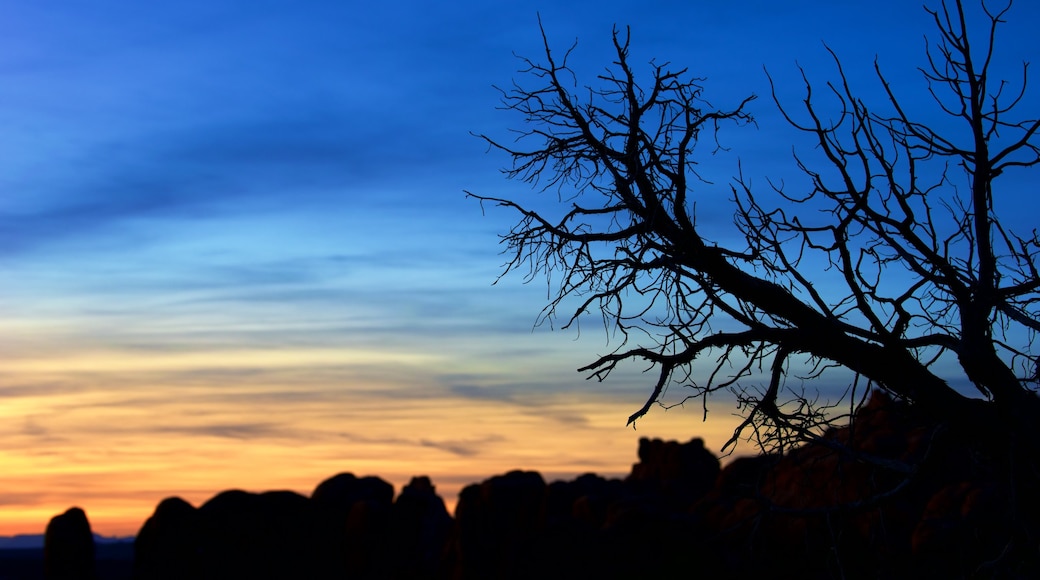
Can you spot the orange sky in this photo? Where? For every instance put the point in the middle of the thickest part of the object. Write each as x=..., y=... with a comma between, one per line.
x=116, y=432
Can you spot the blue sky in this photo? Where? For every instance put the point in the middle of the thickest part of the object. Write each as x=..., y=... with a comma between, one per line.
x=229, y=229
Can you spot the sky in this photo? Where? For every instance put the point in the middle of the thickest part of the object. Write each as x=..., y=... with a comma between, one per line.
x=236, y=252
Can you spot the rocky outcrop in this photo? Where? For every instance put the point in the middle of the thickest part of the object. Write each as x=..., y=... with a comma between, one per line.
x=68, y=549
x=349, y=528
x=420, y=527
x=676, y=473
x=895, y=494
x=497, y=524
x=516, y=526
x=339, y=532
x=168, y=546
x=235, y=534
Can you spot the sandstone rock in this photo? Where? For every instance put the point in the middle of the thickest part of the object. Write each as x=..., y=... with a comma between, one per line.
x=353, y=519
x=68, y=550
x=678, y=473
x=497, y=525
x=420, y=527
x=167, y=546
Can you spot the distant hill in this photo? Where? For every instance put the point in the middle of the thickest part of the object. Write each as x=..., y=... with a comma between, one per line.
x=21, y=557
x=29, y=541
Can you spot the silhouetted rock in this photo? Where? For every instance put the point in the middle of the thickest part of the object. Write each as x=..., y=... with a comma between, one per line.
x=68, y=549
x=962, y=525
x=235, y=534
x=340, y=532
x=353, y=518
x=168, y=545
x=419, y=530
x=584, y=502
x=340, y=492
x=895, y=494
x=677, y=473
x=574, y=515
x=248, y=535
x=815, y=512
x=497, y=524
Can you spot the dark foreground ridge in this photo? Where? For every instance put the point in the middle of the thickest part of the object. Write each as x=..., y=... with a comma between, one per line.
x=894, y=496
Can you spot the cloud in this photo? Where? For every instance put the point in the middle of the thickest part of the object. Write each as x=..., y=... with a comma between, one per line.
x=174, y=178
x=34, y=429
x=23, y=498
x=460, y=447
x=480, y=393
x=536, y=399
x=463, y=447
x=246, y=431
x=328, y=153
x=15, y=386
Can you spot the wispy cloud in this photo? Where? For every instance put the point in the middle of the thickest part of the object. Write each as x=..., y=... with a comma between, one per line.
x=529, y=401
x=242, y=431
x=460, y=447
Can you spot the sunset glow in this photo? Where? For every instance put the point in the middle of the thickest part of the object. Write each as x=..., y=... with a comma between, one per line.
x=235, y=251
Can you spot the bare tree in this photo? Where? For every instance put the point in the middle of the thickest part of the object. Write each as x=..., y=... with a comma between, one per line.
x=928, y=278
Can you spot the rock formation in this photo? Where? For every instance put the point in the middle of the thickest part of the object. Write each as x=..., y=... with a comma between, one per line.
x=68, y=549
x=420, y=526
x=893, y=495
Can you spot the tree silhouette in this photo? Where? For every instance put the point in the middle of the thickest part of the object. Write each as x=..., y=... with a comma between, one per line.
x=899, y=222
